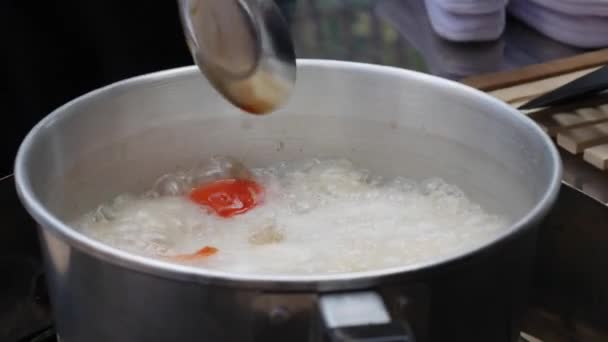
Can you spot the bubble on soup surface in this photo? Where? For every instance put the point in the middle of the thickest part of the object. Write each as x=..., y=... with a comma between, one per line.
x=172, y=185
x=219, y=167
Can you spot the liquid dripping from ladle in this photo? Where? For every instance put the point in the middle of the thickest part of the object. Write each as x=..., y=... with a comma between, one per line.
x=244, y=49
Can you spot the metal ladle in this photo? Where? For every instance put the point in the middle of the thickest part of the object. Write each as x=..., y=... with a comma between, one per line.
x=244, y=49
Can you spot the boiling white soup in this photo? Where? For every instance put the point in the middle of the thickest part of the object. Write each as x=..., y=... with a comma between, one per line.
x=309, y=217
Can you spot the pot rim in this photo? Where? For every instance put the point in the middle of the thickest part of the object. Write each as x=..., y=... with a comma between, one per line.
x=51, y=223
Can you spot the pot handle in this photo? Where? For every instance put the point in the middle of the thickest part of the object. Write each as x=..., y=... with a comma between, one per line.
x=361, y=317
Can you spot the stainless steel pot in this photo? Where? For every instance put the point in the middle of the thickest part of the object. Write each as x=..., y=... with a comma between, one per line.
x=396, y=122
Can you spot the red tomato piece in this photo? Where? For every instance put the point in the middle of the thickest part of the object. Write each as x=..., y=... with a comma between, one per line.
x=228, y=197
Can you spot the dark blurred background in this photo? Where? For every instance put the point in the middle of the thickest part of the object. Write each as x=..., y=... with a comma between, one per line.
x=53, y=51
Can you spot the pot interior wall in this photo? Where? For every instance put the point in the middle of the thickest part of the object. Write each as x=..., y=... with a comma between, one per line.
x=123, y=137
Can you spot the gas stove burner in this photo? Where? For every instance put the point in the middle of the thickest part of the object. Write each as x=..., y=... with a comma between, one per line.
x=46, y=335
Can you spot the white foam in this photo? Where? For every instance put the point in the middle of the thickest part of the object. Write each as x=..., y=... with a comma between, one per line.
x=318, y=217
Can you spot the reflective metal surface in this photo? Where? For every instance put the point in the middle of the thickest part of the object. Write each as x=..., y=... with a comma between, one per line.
x=522, y=155
x=244, y=48
x=399, y=33
x=24, y=303
x=95, y=147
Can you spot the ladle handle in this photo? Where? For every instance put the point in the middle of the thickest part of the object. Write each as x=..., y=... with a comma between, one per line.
x=361, y=317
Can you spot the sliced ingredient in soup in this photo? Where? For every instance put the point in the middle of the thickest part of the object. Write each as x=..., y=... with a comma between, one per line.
x=228, y=197
x=201, y=253
x=298, y=217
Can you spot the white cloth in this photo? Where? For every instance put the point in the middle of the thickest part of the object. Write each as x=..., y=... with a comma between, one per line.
x=472, y=6
x=461, y=27
x=442, y=57
x=583, y=31
x=577, y=7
